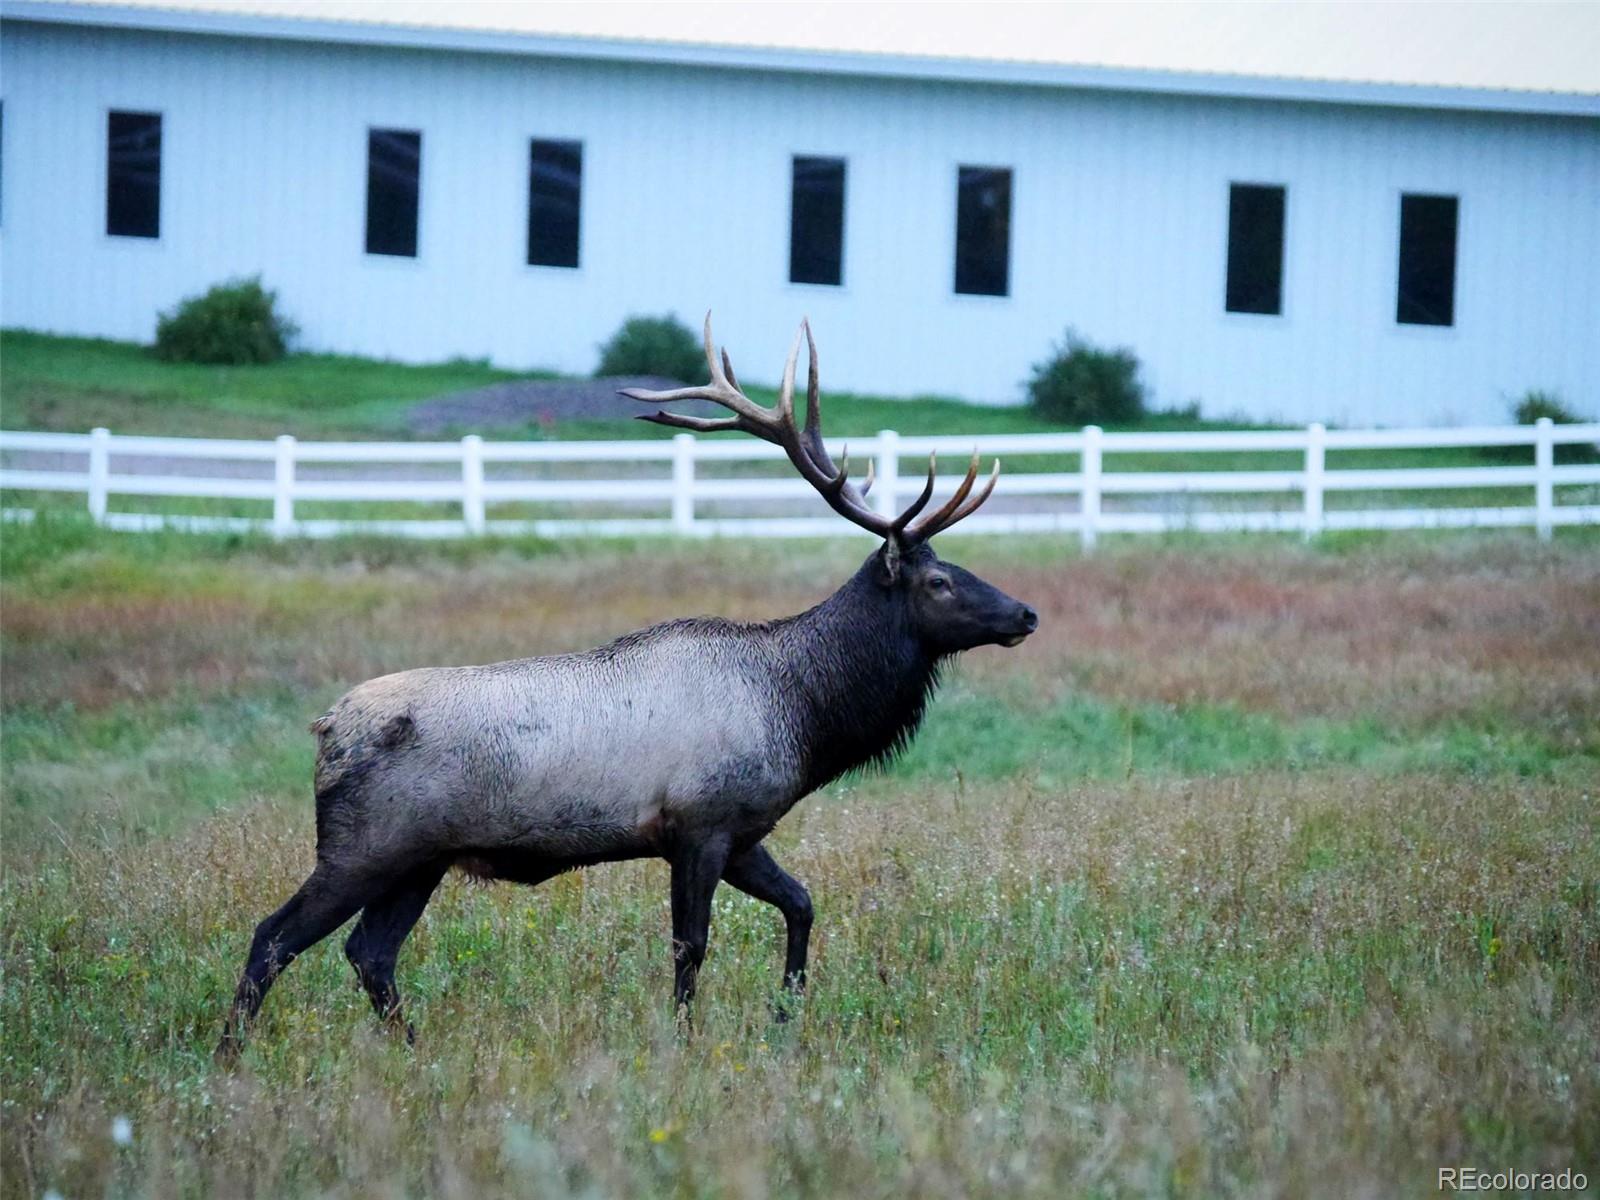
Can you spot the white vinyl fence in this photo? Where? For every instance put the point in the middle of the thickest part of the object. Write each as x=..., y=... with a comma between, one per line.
x=684, y=477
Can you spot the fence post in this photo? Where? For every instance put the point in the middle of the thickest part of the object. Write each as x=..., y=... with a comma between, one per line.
x=472, y=484
x=888, y=471
x=1544, y=491
x=283, y=488
x=683, y=483
x=1089, y=497
x=1316, y=456
x=99, y=473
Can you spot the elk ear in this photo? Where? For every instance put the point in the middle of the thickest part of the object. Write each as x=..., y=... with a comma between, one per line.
x=889, y=562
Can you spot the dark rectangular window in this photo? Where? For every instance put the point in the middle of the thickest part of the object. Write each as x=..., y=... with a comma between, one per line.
x=1427, y=289
x=555, y=192
x=816, y=221
x=983, y=231
x=133, y=174
x=394, y=168
x=1255, y=248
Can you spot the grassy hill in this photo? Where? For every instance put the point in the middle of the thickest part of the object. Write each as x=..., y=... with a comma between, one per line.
x=74, y=384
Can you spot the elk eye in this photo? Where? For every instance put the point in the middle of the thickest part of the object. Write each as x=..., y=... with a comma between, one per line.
x=939, y=583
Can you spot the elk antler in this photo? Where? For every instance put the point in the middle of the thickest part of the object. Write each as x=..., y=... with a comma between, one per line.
x=805, y=447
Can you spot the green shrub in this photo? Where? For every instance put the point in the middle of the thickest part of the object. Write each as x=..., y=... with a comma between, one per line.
x=235, y=323
x=1539, y=403
x=1081, y=384
x=654, y=346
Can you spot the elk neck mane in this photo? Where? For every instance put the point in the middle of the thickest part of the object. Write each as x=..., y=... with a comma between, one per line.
x=854, y=677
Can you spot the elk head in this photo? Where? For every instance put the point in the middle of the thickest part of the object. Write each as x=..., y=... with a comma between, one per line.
x=949, y=608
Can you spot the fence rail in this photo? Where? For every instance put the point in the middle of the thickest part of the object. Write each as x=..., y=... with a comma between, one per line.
x=1065, y=502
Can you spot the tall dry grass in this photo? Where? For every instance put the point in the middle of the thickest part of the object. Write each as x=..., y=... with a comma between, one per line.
x=1194, y=975
x=1275, y=985
x=1425, y=633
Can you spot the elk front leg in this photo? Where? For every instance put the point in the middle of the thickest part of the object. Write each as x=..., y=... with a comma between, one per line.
x=757, y=874
x=696, y=870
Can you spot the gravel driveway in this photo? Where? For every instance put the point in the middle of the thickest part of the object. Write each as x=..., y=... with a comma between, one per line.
x=541, y=401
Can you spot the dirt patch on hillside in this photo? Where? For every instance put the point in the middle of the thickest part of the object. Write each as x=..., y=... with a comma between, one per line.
x=522, y=402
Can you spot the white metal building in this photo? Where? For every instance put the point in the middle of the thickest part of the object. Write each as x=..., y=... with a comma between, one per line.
x=1391, y=254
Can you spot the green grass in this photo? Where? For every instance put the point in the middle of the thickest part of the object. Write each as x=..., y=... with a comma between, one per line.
x=74, y=384
x=150, y=768
x=1165, y=988
x=1262, y=869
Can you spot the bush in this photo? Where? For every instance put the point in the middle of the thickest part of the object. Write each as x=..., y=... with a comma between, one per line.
x=654, y=346
x=1080, y=384
x=1538, y=403
x=234, y=323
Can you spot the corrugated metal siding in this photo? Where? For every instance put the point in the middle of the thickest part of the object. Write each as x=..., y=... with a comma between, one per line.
x=1119, y=221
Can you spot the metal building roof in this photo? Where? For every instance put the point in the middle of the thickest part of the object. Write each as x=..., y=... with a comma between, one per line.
x=234, y=22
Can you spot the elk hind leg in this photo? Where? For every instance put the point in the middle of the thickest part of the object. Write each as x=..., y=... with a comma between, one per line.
x=326, y=900
x=373, y=947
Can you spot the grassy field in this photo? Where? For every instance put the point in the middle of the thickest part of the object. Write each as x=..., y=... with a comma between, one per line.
x=1261, y=870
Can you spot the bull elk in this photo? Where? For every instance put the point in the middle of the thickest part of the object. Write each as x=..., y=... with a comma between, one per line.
x=687, y=741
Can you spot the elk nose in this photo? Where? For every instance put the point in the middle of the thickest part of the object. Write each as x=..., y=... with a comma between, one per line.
x=1030, y=618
